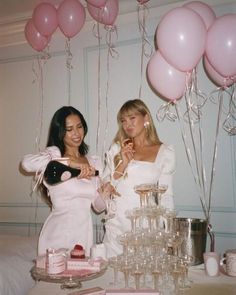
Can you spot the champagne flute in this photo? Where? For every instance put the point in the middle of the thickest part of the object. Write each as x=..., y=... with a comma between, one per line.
x=110, y=208
x=137, y=271
x=156, y=268
x=133, y=216
x=185, y=262
x=176, y=273
x=115, y=262
x=126, y=267
x=143, y=190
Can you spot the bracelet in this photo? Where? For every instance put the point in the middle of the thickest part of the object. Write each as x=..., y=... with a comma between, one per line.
x=120, y=173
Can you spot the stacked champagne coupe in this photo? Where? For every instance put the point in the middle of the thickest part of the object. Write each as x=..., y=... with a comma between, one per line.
x=151, y=257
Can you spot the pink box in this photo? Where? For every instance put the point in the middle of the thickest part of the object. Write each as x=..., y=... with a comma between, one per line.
x=94, y=291
x=128, y=292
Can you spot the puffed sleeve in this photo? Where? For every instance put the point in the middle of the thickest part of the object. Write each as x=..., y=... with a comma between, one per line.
x=38, y=162
x=168, y=167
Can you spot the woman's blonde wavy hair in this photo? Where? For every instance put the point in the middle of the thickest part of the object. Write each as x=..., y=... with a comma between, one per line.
x=134, y=105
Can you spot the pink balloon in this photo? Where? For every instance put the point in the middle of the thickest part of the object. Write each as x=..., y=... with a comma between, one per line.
x=71, y=17
x=205, y=11
x=45, y=18
x=97, y=3
x=164, y=78
x=221, y=45
x=107, y=14
x=181, y=38
x=34, y=38
x=215, y=77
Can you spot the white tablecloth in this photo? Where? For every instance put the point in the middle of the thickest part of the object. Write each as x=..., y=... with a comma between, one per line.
x=202, y=284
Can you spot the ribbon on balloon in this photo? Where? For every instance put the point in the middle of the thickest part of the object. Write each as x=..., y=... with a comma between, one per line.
x=229, y=110
x=229, y=124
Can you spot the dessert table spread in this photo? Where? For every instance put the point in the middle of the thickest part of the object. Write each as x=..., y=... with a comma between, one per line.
x=202, y=284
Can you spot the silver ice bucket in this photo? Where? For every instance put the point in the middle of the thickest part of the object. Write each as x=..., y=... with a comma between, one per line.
x=194, y=231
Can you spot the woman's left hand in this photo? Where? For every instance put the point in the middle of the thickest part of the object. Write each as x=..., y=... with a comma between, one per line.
x=107, y=190
x=87, y=171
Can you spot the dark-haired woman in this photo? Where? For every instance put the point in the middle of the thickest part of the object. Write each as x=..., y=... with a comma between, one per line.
x=70, y=220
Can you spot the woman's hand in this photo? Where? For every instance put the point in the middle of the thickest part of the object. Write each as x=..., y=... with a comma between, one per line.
x=107, y=190
x=86, y=171
x=127, y=151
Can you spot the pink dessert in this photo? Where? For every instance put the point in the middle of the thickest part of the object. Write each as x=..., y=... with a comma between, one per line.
x=78, y=252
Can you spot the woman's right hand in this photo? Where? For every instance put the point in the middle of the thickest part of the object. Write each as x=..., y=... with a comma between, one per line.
x=127, y=151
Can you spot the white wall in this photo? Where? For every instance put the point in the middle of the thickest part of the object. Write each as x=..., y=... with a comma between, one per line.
x=22, y=102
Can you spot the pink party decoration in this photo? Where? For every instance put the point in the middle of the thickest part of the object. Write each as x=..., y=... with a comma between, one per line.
x=107, y=14
x=97, y=3
x=221, y=45
x=181, y=38
x=45, y=18
x=205, y=11
x=216, y=77
x=142, y=1
x=34, y=38
x=165, y=79
x=71, y=17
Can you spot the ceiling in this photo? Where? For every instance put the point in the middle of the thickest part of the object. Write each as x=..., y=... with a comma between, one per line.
x=13, y=10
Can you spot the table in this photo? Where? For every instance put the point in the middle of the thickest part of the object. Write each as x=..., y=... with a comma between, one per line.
x=202, y=284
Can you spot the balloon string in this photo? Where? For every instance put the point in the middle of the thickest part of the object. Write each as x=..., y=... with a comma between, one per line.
x=106, y=103
x=111, y=52
x=195, y=100
x=99, y=85
x=41, y=61
x=187, y=101
x=189, y=158
x=69, y=67
x=41, y=107
x=142, y=12
x=215, y=150
x=200, y=102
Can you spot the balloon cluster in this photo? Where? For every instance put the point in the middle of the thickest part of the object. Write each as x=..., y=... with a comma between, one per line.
x=185, y=35
x=69, y=17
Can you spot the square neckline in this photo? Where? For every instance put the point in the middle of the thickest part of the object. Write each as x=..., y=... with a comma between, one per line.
x=157, y=156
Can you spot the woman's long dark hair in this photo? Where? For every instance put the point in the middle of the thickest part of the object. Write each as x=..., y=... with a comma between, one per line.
x=57, y=129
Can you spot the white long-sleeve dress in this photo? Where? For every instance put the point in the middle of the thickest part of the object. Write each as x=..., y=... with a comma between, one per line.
x=70, y=220
x=138, y=172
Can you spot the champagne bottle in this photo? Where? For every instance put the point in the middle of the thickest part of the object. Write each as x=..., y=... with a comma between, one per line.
x=57, y=172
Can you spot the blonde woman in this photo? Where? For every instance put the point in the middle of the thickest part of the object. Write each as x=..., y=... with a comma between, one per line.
x=136, y=156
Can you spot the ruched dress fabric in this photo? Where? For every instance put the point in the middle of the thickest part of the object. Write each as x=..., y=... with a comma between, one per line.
x=70, y=220
x=138, y=172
